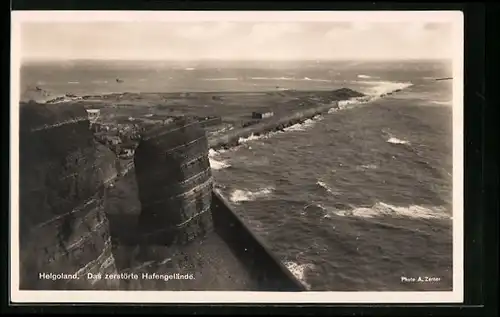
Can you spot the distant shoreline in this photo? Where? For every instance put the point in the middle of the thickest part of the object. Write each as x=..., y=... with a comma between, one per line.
x=27, y=61
x=122, y=96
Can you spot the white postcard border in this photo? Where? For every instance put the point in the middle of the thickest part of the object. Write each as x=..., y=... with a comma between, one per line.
x=455, y=296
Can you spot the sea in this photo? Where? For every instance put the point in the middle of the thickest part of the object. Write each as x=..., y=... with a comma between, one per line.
x=357, y=199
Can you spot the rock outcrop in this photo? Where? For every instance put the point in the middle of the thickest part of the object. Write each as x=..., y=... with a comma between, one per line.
x=106, y=164
x=63, y=229
x=175, y=182
x=346, y=93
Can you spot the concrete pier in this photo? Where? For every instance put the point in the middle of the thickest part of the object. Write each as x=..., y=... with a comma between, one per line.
x=232, y=137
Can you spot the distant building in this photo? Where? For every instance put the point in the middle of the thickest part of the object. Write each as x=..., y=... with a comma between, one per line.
x=113, y=140
x=93, y=115
x=262, y=115
x=126, y=153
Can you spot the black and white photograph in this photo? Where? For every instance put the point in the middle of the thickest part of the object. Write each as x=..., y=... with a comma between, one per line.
x=237, y=156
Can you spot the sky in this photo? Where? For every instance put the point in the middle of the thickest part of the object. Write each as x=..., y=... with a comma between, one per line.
x=235, y=40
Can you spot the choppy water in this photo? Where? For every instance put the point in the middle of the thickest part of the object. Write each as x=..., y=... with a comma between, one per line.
x=352, y=200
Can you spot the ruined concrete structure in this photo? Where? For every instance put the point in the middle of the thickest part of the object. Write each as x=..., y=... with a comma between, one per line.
x=63, y=227
x=262, y=115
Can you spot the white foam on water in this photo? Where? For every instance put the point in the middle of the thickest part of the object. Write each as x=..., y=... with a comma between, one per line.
x=325, y=186
x=189, y=68
x=394, y=140
x=305, y=125
x=364, y=76
x=308, y=123
x=316, y=79
x=343, y=104
x=239, y=195
x=272, y=78
x=383, y=87
x=381, y=209
x=218, y=165
x=220, y=79
x=295, y=127
x=299, y=270
x=73, y=82
x=212, y=153
x=443, y=103
x=332, y=110
x=252, y=137
x=368, y=167
x=291, y=79
x=349, y=103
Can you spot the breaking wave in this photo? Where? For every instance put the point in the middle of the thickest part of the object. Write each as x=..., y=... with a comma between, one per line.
x=291, y=79
x=305, y=125
x=350, y=103
x=253, y=137
x=343, y=104
x=239, y=195
x=214, y=163
x=308, y=123
x=299, y=270
x=218, y=165
x=315, y=79
x=394, y=140
x=367, y=167
x=364, y=76
x=443, y=103
x=213, y=153
x=220, y=79
x=381, y=209
x=272, y=78
x=380, y=88
x=326, y=187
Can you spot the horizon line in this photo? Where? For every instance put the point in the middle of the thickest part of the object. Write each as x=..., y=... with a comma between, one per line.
x=28, y=59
